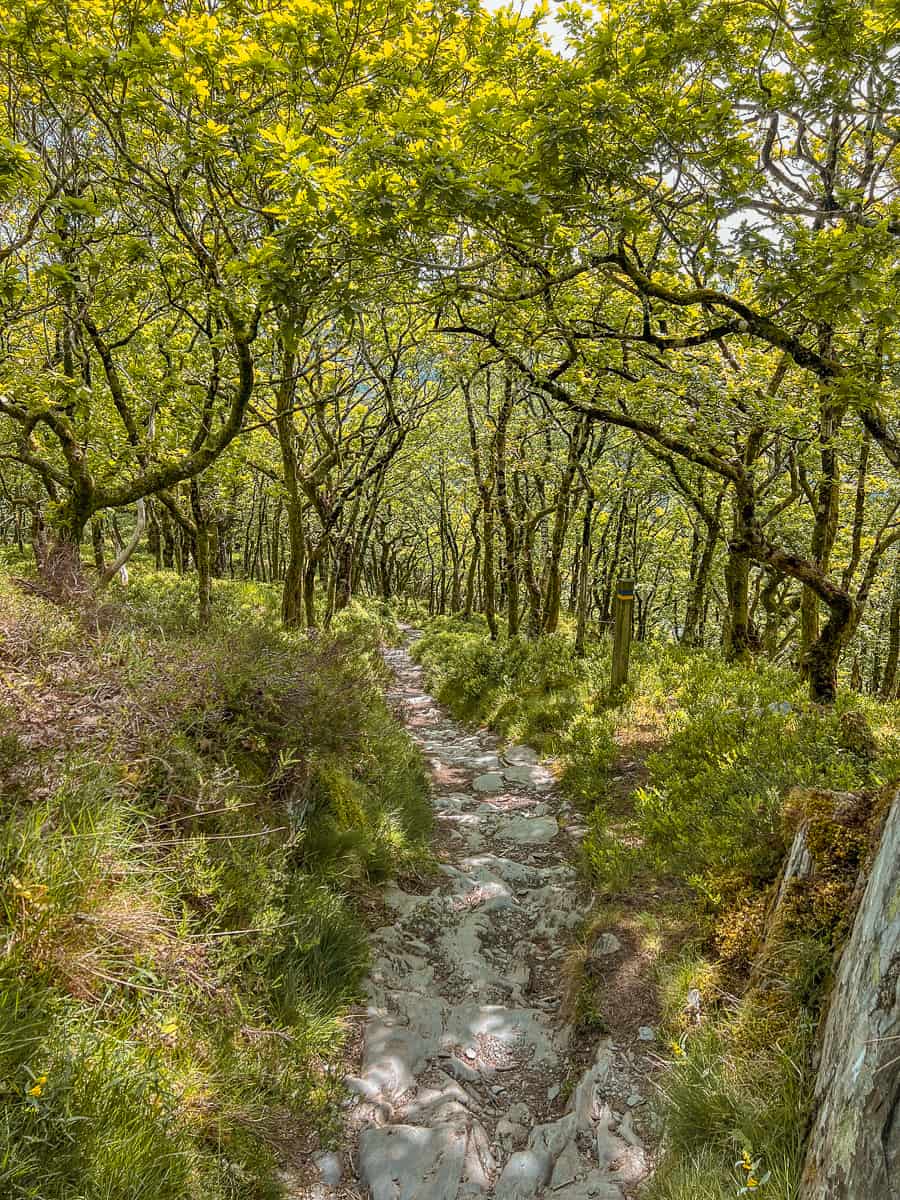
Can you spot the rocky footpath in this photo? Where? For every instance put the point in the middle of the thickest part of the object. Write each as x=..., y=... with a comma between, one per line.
x=466, y=1086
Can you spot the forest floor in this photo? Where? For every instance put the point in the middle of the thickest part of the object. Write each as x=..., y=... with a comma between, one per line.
x=481, y=1070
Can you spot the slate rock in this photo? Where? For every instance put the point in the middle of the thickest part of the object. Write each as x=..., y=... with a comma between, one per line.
x=531, y=831
x=524, y=1175
x=407, y=1162
x=567, y=1167
x=518, y=775
x=330, y=1167
x=488, y=783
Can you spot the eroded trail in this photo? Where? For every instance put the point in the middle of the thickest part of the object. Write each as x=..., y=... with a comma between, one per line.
x=467, y=1086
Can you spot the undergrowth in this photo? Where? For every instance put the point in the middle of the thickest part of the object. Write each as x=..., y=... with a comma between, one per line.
x=739, y=759
x=190, y=825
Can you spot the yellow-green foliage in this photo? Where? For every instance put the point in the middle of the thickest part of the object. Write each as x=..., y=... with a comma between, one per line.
x=738, y=740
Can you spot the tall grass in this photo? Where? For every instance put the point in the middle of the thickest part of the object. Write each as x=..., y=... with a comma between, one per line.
x=182, y=861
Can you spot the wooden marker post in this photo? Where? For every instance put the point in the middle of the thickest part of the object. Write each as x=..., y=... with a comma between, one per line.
x=622, y=622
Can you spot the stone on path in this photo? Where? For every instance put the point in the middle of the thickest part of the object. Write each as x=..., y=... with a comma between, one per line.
x=519, y=775
x=408, y=1162
x=492, y=781
x=523, y=1175
x=606, y=944
x=532, y=831
x=329, y=1166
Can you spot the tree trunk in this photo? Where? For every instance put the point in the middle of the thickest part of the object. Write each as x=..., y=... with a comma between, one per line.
x=490, y=583
x=889, y=678
x=472, y=574
x=309, y=593
x=689, y=635
x=154, y=535
x=168, y=541
x=201, y=556
x=584, y=571
x=97, y=544
x=854, y=1148
x=561, y=517
x=506, y=516
x=739, y=635
x=738, y=631
x=827, y=504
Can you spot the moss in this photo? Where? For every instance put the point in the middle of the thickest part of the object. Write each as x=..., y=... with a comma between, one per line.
x=837, y=827
x=738, y=934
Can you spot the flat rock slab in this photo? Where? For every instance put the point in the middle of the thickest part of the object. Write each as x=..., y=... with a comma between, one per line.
x=329, y=1166
x=519, y=774
x=532, y=831
x=524, y=1176
x=409, y=1162
x=491, y=781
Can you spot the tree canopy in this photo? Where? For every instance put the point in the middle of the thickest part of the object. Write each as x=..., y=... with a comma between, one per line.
x=407, y=297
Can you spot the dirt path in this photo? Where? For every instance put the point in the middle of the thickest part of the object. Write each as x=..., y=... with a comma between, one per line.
x=467, y=1085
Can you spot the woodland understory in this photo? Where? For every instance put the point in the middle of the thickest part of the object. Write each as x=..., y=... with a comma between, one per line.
x=324, y=320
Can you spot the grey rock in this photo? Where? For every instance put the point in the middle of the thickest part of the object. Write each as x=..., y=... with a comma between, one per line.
x=510, y=1132
x=553, y=1092
x=393, y=1055
x=635, y=1099
x=524, y=1174
x=646, y=1034
x=606, y=944
x=567, y=1167
x=330, y=1167
x=854, y=1148
x=362, y=1087
x=462, y=1071
x=407, y=1162
x=551, y=1139
x=609, y=1147
x=596, y=1186
x=518, y=775
x=528, y=830
x=626, y=1130
x=490, y=782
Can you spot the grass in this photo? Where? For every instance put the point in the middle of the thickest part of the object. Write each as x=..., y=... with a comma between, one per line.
x=737, y=759
x=192, y=825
